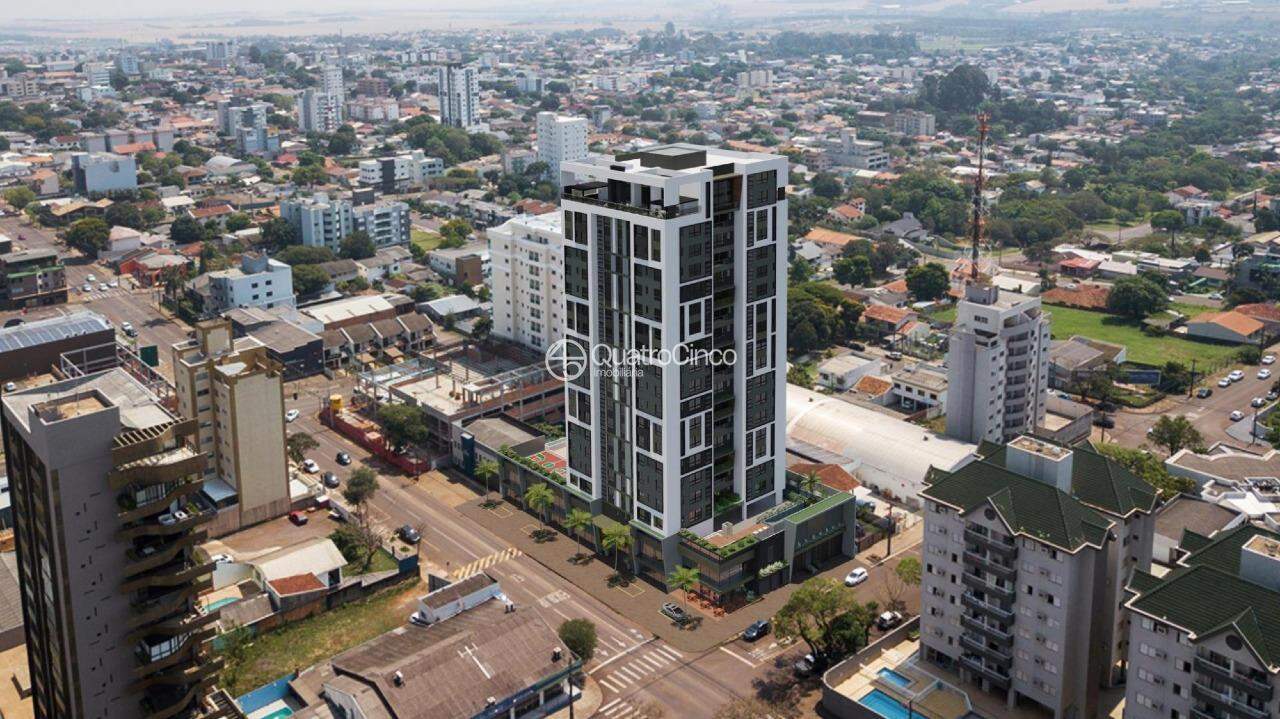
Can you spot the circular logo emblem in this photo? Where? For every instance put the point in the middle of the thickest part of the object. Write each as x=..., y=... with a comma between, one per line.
x=566, y=360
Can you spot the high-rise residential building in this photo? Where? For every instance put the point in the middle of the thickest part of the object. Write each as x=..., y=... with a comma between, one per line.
x=319, y=111
x=1203, y=637
x=997, y=365
x=103, y=483
x=220, y=52
x=331, y=82
x=246, y=122
x=1026, y=554
x=914, y=123
x=526, y=256
x=97, y=73
x=459, y=97
x=103, y=172
x=235, y=394
x=560, y=138
x=259, y=281
x=325, y=222
x=675, y=281
x=401, y=172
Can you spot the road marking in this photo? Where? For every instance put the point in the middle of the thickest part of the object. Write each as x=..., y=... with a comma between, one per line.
x=655, y=662
x=672, y=651
x=483, y=563
x=738, y=656
x=617, y=656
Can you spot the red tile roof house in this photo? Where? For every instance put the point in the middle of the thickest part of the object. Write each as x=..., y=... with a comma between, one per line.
x=887, y=320
x=1265, y=312
x=1231, y=326
x=1078, y=266
x=217, y=213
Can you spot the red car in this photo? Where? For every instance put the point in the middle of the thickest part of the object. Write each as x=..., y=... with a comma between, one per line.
x=298, y=518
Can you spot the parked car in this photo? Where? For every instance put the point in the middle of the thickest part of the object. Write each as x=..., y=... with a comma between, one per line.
x=1257, y=402
x=1236, y=375
x=409, y=535
x=309, y=466
x=1204, y=392
x=756, y=630
x=343, y=458
x=1104, y=421
x=102, y=287
x=298, y=518
x=1264, y=373
x=888, y=620
x=113, y=284
x=1237, y=415
x=330, y=480
x=1268, y=359
x=1224, y=382
x=86, y=287
x=805, y=665
x=220, y=559
x=675, y=612
x=856, y=576
x=1273, y=396
x=895, y=355
x=10, y=386
x=1215, y=295
x=291, y=415
x=15, y=321
x=90, y=278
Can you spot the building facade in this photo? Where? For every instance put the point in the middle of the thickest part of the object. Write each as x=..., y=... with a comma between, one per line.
x=32, y=278
x=1026, y=554
x=103, y=172
x=102, y=478
x=526, y=276
x=459, y=97
x=318, y=111
x=677, y=251
x=997, y=365
x=325, y=222
x=560, y=138
x=246, y=124
x=259, y=281
x=235, y=394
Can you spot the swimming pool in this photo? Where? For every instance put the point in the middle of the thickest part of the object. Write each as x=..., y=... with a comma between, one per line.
x=894, y=678
x=279, y=713
x=886, y=706
x=222, y=603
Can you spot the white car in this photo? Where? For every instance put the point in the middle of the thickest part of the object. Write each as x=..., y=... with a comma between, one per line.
x=1268, y=359
x=1237, y=415
x=309, y=466
x=1224, y=382
x=113, y=283
x=855, y=577
x=1264, y=373
x=10, y=386
x=1236, y=375
x=291, y=415
x=1257, y=402
x=87, y=287
x=90, y=278
x=220, y=558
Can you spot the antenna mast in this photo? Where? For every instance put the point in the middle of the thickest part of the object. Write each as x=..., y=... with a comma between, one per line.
x=977, y=195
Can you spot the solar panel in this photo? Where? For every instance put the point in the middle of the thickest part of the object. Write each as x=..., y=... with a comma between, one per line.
x=50, y=330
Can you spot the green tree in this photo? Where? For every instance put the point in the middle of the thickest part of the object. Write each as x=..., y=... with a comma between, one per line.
x=90, y=234
x=809, y=483
x=1136, y=297
x=1175, y=432
x=576, y=521
x=616, y=539
x=812, y=614
x=486, y=470
x=19, y=197
x=186, y=230
x=124, y=213
x=827, y=185
x=539, y=498
x=360, y=488
x=579, y=635
x=905, y=575
x=1170, y=221
x=854, y=271
x=309, y=279
x=278, y=233
x=298, y=444
x=238, y=221
x=357, y=246
x=684, y=579
x=456, y=232
x=402, y=424
x=928, y=282
x=304, y=255
x=1149, y=468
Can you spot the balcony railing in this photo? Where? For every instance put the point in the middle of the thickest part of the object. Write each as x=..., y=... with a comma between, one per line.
x=668, y=212
x=1001, y=548
x=973, y=581
x=976, y=666
x=1005, y=572
x=976, y=644
x=987, y=630
x=993, y=610
x=1226, y=702
x=1260, y=690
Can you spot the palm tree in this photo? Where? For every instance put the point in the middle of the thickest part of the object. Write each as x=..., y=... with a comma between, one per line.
x=575, y=522
x=485, y=471
x=809, y=483
x=615, y=540
x=539, y=498
x=684, y=579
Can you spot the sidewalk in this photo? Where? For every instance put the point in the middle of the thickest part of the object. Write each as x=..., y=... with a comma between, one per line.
x=587, y=703
x=640, y=601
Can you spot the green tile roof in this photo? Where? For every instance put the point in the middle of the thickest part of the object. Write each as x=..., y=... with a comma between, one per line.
x=1096, y=480
x=1207, y=595
x=1028, y=506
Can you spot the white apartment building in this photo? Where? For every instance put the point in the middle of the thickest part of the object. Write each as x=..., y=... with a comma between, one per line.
x=860, y=154
x=235, y=393
x=1203, y=637
x=560, y=138
x=914, y=123
x=103, y=172
x=997, y=365
x=259, y=281
x=97, y=73
x=401, y=172
x=676, y=250
x=1027, y=551
x=459, y=97
x=526, y=279
x=319, y=111
x=332, y=84
x=325, y=222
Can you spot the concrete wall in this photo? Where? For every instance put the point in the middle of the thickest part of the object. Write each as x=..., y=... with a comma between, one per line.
x=846, y=707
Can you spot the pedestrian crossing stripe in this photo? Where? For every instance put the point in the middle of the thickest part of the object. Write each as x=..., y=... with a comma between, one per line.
x=484, y=563
x=618, y=709
x=638, y=668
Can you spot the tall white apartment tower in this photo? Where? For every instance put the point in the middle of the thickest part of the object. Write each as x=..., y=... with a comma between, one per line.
x=560, y=138
x=675, y=282
x=527, y=279
x=331, y=83
x=997, y=365
x=459, y=97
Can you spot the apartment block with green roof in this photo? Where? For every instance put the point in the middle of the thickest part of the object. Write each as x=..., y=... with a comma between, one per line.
x=1027, y=551
x=1205, y=640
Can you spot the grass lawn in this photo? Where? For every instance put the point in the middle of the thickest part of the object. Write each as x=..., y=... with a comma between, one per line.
x=425, y=241
x=382, y=562
x=1142, y=347
x=301, y=644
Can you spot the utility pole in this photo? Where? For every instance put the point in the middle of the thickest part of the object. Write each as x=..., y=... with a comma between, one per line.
x=1192, y=387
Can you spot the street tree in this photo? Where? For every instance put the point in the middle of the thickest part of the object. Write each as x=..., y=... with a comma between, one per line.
x=360, y=488
x=298, y=444
x=684, y=579
x=812, y=614
x=616, y=539
x=539, y=498
x=579, y=635
x=486, y=470
x=576, y=521
x=1175, y=432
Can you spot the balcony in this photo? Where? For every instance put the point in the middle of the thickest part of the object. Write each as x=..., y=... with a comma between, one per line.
x=172, y=703
x=975, y=644
x=992, y=610
x=178, y=571
x=1007, y=550
x=155, y=606
x=686, y=206
x=154, y=555
x=180, y=655
x=991, y=631
x=975, y=582
x=985, y=562
x=165, y=466
x=976, y=666
x=132, y=509
x=1232, y=706
x=170, y=524
x=1260, y=690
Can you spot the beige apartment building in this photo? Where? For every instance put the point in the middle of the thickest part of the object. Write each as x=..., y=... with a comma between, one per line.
x=1205, y=640
x=235, y=393
x=1027, y=551
x=103, y=481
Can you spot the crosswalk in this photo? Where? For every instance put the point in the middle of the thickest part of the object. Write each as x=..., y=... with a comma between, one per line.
x=609, y=646
x=638, y=667
x=97, y=294
x=620, y=709
x=484, y=563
